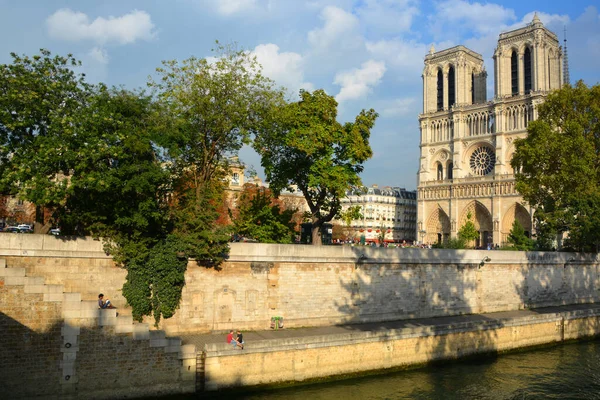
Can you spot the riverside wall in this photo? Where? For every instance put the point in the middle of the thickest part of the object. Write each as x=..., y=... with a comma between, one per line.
x=325, y=285
x=316, y=357
x=53, y=332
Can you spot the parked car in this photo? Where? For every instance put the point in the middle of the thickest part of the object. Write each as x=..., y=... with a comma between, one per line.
x=25, y=226
x=13, y=229
x=54, y=231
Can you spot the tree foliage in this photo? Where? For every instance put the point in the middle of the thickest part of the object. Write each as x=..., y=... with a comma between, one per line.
x=260, y=216
x=557, y=166
x=468, y=233
x=208, y=108
x=40, y=97
x=307, y=147
x=518, y=239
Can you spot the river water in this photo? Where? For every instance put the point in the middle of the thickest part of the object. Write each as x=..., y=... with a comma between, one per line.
x=566, y=371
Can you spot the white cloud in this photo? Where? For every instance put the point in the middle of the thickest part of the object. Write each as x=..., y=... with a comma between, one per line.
x=99, y=55
x=358, y=82
x=388, y=16
x=69, y=25
x=481, y=18
x=338, y=24
x=285, y=68
x=229, y=7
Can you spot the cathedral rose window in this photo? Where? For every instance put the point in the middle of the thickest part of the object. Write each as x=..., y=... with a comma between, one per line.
x=482, y=160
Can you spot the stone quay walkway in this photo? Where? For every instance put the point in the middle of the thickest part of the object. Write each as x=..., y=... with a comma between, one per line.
x=437, y=324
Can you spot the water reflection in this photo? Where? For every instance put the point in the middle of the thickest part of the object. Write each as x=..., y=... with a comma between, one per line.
x=568, y=371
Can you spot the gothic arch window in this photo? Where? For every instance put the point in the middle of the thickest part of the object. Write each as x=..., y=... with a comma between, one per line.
x=449, y=173
x=451, y=87
x=440, y=90
x=527, y=70
x=440, y=172
x=514, y=73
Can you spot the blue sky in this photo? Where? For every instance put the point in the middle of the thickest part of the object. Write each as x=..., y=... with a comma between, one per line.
x=367, y=53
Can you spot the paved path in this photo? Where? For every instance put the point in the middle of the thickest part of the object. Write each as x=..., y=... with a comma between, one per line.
x=253, y=336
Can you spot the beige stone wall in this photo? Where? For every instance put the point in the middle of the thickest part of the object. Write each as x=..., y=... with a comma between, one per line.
x=315, y=286
x=329, y=356
x=56, y=345
x=30, y=339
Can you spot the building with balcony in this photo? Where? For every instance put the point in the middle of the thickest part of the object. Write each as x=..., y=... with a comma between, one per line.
x=467, y=142
x=388, y=212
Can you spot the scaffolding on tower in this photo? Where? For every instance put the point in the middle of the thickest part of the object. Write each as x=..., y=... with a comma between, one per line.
x=566, y=77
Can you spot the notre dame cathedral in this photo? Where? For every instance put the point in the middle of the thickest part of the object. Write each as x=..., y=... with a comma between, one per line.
x=467, y=142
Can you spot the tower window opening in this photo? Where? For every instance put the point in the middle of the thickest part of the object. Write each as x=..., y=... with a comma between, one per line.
x=527, y=70
x=440, y=172
x=514, y=73
x=451, y=87
x=440, y=90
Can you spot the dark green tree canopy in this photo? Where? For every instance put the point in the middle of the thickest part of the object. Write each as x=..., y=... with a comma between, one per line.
x=307, y=147
x=40, y=98
x=261, y=217
x=558, y=164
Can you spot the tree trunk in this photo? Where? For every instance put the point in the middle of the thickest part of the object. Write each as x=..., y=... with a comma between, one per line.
x=316, y=235
x=39, y=219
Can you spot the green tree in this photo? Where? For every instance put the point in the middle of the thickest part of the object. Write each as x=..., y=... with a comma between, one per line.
x=309, y=148
x=262, y=217
x=468, y=233
x=208, y=110
x=39, y=98
x=353, y=213
x=518, y=239
x=557, y=166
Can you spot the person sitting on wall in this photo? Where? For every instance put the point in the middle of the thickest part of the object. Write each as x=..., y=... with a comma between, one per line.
x=230, y=340
x=240, y=339
x=104, y=303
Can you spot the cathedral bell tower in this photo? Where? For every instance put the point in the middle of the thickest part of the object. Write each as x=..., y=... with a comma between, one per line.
x=467, y=142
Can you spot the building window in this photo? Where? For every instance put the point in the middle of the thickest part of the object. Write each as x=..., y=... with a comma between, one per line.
x=514, y=73
x=440, y=172
x=451, y=87
x=450, y=167
x=440, y=90
x=482, y=160
x=527, y=69
x=235, y=178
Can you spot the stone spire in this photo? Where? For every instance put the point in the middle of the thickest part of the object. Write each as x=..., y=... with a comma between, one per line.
x=536, y=22
x=431, y=49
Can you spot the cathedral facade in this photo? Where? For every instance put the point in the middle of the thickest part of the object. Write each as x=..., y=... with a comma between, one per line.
x=467, y=142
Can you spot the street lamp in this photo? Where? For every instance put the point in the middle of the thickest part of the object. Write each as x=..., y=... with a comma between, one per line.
x=423, y=233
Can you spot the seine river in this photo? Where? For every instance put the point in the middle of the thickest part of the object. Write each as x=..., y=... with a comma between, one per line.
x=568, y=371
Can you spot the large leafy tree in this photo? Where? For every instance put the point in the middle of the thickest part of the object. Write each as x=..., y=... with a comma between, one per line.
x=208, y=110
x=260, y=216
x=40, y=97
x=557, y=166
x=307, y=147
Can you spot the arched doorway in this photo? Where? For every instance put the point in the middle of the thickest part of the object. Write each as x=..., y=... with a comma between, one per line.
x=519, y=213
x=482, y=219
x=438, y=227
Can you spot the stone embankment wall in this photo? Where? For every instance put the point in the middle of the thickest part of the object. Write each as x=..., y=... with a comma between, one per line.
x=299, y=359
x=312, y=286
x=56, y=345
